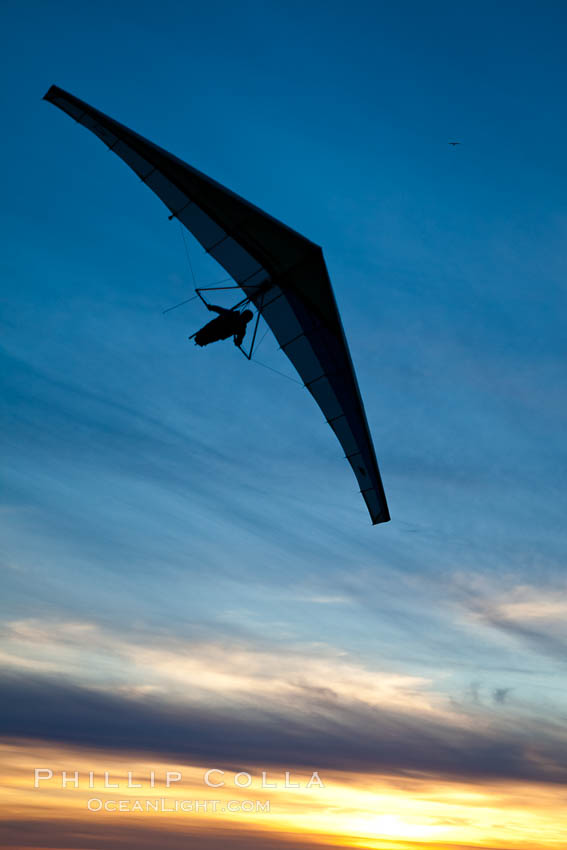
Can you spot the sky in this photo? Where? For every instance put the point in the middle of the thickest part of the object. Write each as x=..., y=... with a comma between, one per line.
x=190, y=578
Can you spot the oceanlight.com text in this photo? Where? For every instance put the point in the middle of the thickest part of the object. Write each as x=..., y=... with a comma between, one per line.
x=164, y=806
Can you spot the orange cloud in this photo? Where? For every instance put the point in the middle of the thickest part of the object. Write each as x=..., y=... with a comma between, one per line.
x=351, y=810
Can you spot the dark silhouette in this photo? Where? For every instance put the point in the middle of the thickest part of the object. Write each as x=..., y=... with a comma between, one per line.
x=301, y=309
x=454, y=143
x=228, y=323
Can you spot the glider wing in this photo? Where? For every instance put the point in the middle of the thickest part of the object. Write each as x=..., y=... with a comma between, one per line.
x=282, y=272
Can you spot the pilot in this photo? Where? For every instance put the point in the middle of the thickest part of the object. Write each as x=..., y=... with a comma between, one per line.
x=228, y=323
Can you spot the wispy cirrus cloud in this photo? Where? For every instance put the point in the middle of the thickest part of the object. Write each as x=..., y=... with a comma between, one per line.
x=197, y=671
x=534, y=615
x=213, y=700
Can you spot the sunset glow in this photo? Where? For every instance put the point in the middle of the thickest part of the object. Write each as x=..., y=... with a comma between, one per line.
x=349, y=811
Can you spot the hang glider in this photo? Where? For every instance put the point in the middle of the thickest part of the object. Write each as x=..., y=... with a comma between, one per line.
x=282, y=273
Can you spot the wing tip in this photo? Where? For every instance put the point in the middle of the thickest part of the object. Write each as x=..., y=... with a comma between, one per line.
x=51, y=92
x=385, y=517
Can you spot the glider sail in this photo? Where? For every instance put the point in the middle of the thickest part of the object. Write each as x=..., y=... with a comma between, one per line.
x=282, y=272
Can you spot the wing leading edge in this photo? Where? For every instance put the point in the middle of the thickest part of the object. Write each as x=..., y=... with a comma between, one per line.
x=283, y=273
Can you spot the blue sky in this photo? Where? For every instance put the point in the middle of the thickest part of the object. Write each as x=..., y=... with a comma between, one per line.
x=161, y=493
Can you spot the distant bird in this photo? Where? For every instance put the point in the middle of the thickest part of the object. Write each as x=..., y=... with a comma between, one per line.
x=454, y=143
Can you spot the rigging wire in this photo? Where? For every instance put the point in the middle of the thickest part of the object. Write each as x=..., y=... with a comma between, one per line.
x=215, y=282
x=186, y=246
x=187, y=253
x=258, y=363
x=258, y=344
x=181, y=303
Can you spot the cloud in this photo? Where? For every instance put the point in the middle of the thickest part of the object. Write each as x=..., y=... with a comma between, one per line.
x=500, y=695
x=536, y=616
x=209, y=672
x=68, y=834
x=313, y=731
x=309, y=705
